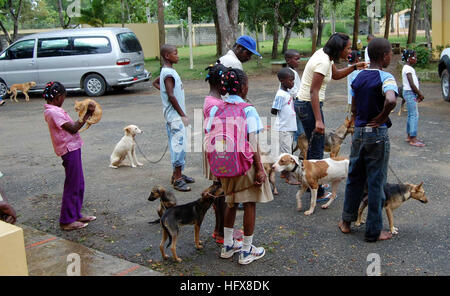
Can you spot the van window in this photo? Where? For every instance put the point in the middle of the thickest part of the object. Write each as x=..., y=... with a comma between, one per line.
x=22, y=50
x=128, y=42
x=53, y=47
x=91, y=45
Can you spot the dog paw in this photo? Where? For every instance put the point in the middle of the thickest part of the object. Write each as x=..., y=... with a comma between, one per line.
x=394, y=230
x=325, y=206
x=309, y=212
x=357, y=224
x=299, y=209
x=113, y=166
x=275, y=192
x=139, y=164
x=178, y=260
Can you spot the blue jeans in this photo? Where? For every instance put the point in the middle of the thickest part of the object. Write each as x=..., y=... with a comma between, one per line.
x=413, y=112
x=177, y=143
x=369, y=159
x=300, y=129
x=316, y=141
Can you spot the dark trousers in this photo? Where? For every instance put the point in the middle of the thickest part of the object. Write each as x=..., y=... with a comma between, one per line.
x=316, y=141
x=369, y=159
x=73, y=195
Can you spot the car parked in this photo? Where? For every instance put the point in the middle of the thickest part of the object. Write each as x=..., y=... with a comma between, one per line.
x=444, y=73
x=90, y=59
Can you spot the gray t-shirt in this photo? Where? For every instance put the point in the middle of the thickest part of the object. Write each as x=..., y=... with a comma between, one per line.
x=170, y=114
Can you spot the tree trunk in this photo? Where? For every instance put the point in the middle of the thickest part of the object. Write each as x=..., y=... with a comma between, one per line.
x=123, y=13
x=275, y=31
x=411, y=21
x=333, y=18
x=218, y=37
x=286, y=38
x=416, y=19
x=355, y=24
x=228, y=23
x=61, y=14
x=15, y=13
x=162, y=30
x=320, y=24
x=389, y=6
x=315, y=26
x=427, y=24
x=8, y=37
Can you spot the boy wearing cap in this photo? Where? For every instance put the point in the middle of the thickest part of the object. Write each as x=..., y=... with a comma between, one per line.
x=241, y=52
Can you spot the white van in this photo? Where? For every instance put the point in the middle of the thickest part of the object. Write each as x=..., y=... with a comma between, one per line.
x=90, y=59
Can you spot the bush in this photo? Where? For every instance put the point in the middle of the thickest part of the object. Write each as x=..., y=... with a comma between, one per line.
x=423, y=56
x=340, y=27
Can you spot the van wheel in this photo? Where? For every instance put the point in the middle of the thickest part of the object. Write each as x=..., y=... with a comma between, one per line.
x=3, y=89
x=445, y=82
x=94, y=85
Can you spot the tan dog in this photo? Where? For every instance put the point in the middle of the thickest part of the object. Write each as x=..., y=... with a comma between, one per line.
x=333, y=140
x=126, y=148
x=23, y=87
x=313, y=173
x=81, y=108
x=268, y=161
x=396, y=194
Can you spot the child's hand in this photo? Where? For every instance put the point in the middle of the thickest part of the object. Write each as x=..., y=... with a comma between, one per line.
x=90, y=110
x=260, y=176
x=185, y=120
x=362, y=65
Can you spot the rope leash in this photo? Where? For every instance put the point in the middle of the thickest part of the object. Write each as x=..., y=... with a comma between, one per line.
x=165, y=150
x=392, y=171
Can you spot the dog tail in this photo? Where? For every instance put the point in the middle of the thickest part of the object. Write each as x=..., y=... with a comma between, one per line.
x=162, y=220
x=155, y=221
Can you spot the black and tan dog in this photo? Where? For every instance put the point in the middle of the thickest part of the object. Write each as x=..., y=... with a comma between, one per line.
x=187, y=214
x=396, y=194
x=166, y=200
x=333, y=140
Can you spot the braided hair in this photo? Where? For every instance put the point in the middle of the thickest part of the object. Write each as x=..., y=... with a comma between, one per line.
x=232, y=81
x=407, y=53
x=353, y=56
x=52, y=90
x=215, y=73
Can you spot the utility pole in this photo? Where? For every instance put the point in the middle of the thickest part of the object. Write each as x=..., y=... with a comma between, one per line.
x=147, y=11
x=191, y=59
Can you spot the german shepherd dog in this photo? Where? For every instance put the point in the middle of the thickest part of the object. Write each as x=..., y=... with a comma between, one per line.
x=190, y=213
x=396, y=194
x=333, y=140
x=166, y=200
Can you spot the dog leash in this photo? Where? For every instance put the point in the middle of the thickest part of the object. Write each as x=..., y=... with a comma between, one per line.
x=398, y=179
x=139, y=148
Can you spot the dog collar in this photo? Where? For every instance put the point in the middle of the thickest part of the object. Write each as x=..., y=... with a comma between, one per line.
x=295, y=168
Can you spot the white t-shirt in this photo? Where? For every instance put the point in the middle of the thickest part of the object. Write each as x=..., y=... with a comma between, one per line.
x=231, y=60
x=366, y=55
x=408, y=69
x=297, y=82
x=319, y=62
x=286, y=117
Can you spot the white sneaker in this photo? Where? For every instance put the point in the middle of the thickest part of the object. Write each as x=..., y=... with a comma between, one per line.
x=254, y=254
x=228, y=251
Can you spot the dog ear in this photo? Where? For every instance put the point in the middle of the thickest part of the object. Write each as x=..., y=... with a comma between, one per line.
x=296, y=159
x=127, y=129
x=419, y=186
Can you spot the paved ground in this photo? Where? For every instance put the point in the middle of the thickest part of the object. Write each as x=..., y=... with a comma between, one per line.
x=295, y=244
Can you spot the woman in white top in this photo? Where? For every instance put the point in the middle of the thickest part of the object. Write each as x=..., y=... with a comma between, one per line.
x=318, y=72
x=412, y=96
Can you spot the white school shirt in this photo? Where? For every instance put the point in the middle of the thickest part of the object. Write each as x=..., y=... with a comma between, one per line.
x=286, y=118
x=231, y=60
x=408, y=69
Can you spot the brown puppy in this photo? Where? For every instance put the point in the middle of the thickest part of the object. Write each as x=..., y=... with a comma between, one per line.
x=23, y=87
x=396, y=194
x=333, y=140
x=166, y=200
x=81, y=108
x=190, y=213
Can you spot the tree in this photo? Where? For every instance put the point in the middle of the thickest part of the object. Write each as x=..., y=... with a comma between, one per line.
x=389, y=7
x=227, y=14
x=161, y=29
x=290, y=12
x=62, y=17
x=94, y=15
x=411, y=22
x=355, y=24
x=254, y=13
x=315, y=25
x=275, y=24
x=7, y=7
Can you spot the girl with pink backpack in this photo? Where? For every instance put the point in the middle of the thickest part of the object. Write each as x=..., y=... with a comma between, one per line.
x=231, y=128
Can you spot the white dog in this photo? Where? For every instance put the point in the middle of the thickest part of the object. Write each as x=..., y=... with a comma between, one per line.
x=126, y=147
x=313, y=173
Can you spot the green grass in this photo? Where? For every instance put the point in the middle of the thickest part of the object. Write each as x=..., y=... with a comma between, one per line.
x=205, y=55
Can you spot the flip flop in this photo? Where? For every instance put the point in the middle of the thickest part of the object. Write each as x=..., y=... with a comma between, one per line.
x=417, y=144
x=326, y=197
x=78, y=226
x=87, y=219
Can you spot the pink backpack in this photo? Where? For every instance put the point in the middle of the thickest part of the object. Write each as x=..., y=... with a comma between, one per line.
x=227, y=147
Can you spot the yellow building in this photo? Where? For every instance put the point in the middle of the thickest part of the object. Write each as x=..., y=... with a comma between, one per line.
x=441, y=23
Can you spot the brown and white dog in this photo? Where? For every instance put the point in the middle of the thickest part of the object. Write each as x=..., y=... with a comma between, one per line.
x=333, y=139
x=268, y=160
x=23, y=87
x=313, y=173
x=126, y=148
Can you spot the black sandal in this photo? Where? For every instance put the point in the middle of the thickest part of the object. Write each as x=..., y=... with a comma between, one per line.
x=185, y=178
x=181, y=185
